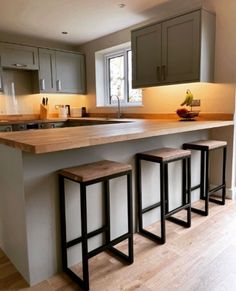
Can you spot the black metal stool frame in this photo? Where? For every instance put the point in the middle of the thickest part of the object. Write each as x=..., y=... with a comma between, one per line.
x=109, y=244
x=204, y=173
x=164, y=196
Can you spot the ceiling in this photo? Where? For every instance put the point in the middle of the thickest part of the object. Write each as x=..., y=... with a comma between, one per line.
x=84, y=20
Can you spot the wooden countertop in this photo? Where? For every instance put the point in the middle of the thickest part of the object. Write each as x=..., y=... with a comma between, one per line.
x=58, y=139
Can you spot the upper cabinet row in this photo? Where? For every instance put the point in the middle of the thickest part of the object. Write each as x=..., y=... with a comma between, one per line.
x=56, y=71
x=175, y=51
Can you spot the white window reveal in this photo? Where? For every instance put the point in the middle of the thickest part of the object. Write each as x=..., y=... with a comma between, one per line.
x=114, y=77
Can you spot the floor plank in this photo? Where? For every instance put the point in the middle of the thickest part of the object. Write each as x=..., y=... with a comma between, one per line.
x=201, y=258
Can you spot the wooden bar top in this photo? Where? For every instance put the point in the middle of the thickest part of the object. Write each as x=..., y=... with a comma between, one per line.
x=59, y=139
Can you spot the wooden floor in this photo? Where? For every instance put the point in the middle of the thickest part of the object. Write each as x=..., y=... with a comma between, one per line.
x=202, y=258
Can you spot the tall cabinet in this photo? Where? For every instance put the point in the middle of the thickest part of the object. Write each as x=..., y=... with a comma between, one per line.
x=177, y=50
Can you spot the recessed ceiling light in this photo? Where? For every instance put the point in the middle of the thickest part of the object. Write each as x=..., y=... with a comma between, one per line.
x=121, y=5
x=64, y=32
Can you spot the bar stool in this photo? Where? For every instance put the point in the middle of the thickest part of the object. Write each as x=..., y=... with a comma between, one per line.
x=102, y=171
x=205, y=146
x=164, y=157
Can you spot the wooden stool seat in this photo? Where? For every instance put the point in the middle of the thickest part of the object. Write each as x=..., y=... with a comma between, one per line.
x=93, y=171
x=166, y=154
x=207, y=144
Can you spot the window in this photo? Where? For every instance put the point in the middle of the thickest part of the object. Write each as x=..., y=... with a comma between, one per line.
x=118, y=78
x=114, y=77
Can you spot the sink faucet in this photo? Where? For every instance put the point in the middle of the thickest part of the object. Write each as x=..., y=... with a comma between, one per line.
x=118, y=103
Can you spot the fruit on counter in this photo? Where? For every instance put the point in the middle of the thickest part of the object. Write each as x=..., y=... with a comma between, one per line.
x=188, y=98
x=182, y=112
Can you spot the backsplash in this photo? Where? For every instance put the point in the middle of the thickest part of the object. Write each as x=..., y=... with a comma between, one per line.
x=30, y=104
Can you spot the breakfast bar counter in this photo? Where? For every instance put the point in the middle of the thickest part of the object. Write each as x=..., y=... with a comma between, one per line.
x=51, y=140
x=29, y=165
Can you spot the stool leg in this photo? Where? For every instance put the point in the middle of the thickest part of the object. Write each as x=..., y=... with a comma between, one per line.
x=130, y=217
x=139, y=193
x=223, y=175
x=184, y=182
x=83, y=205
x=63, y=222
x=202, y=180
x=107, y=210
x=163, y=188
x=189, y=191
x=207, y=184
x=166, y=188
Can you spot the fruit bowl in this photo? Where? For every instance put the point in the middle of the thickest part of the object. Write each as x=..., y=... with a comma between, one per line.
x=186, y=115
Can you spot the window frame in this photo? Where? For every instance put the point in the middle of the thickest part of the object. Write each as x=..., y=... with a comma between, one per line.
x=107, y=56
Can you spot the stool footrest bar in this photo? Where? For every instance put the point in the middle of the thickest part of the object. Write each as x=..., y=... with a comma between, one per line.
x=120, y=254
x=195, y=187
x=152, y=236
x=177, y=210
x=151, y=207
x=216, y=201
x=216, y=188
x=89, y=235
x=110, y=244
x=199, y=211
x=179, y=221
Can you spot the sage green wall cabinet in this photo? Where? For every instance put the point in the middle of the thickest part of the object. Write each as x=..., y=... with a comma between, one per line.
x=70, y=72
x=47, y=71
x=146, y=50
x=61, y=72
x=177, y=50
x=18, y=56
x=1, y=83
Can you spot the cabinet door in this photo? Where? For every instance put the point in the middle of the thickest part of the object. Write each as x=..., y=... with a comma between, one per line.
x=47, y=70
x=19, y=56
x=146, y=51
x=70, y=72
x=1, y=83
x=181, y=49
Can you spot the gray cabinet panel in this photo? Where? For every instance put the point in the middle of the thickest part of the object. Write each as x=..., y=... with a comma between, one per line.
x=146, y=48
x=70, y=72
x=180, y=48
x=187, y=50
x=1, y=83
x=19, y=56
x=47, y=70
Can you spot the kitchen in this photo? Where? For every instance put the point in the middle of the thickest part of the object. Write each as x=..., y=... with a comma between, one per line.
x=153, y=103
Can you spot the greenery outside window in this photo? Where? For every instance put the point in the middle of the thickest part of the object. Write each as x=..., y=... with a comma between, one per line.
x=118, y=78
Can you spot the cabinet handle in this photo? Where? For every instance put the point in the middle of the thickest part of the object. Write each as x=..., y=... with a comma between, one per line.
x=58, y=85
x=158, y=73
x=1, y=83
x=163, y=70
x=19, y=65
x=42, y=84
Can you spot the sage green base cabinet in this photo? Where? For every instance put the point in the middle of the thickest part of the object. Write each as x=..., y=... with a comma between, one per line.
x=18, y=56
x=177, y=50
x=61, y=72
